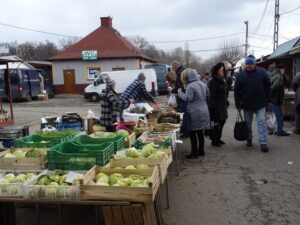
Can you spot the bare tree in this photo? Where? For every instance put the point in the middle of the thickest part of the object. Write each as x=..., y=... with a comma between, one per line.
x=231, y=51
x=67, y=42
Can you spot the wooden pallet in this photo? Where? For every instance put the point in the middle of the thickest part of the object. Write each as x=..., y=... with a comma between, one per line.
x=91, y=191
x=26, y=163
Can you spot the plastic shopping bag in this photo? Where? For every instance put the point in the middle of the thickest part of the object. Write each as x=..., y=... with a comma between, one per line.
x=271, y=122
x=172, y=101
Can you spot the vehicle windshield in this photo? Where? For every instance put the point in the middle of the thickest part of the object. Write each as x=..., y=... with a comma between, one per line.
x=161, y=71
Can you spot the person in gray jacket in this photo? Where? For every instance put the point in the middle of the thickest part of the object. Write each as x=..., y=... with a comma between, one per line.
x=196, y=95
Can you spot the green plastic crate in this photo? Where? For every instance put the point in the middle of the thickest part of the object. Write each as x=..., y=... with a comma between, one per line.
x=38, y=141
x=72, y=156
x=119, y=142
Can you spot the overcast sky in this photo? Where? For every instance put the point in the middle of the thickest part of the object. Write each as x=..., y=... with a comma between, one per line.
x=156, y=20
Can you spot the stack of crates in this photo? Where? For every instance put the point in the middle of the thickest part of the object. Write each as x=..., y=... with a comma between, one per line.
x=72, y=156
x=118, y=141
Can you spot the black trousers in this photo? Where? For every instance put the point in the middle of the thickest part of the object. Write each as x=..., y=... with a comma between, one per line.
x=197, y=142
x=218, y=130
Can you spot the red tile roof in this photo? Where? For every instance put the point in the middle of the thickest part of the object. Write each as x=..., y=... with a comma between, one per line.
x=107, y=41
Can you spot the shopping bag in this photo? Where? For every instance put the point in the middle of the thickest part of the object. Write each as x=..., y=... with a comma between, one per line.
x=172, y=101
x=240, y=128
x=271, y=122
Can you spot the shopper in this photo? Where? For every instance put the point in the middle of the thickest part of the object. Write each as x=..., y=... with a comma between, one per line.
x=197, y=110
x=217, y=103
x=110, y=105
x=252, y=93
x=277, y=88
x=296, y=87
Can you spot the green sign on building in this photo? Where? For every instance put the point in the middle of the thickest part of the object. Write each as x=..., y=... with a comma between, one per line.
x=89, y=55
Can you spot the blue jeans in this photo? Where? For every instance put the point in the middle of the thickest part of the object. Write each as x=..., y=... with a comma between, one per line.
x=261, y=124
x=277, y=109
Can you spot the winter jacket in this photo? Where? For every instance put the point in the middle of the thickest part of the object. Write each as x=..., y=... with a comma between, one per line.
x=277, y=88
x=217, y=100
x=296, y=87
x=196, y=96
x=252, y=89
x=110, y=107
x=137, y=91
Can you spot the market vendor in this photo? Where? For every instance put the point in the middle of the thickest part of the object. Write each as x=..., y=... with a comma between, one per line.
x=110, y=105
x=137, y=91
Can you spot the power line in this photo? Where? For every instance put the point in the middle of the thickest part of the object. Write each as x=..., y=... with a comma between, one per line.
x=198, y=39
x=290, y=11
x=262, y=16
x=217, y=49
x=38, y=31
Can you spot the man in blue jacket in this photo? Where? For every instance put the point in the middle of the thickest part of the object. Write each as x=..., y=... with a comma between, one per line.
x=252, y=93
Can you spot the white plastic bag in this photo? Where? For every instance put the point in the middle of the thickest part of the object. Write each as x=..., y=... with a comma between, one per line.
x=91, y=115
x=271, y=122
x=172, y=101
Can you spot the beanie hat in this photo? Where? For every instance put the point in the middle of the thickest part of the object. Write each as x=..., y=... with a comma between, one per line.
x=250, y=60
x=109, y=82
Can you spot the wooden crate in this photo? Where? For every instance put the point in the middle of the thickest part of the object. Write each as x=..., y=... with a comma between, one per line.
x=91, y=191
x=130, y=140
x=162, y=163
x=26, y=163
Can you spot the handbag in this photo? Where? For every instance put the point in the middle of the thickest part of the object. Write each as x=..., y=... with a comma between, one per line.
x=240, y=128
x=271, y=122
x=208, y=133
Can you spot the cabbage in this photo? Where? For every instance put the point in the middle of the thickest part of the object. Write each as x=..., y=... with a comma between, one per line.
x=123, y=133
x=124, y=182
x=29, y=176
x=114, y=178
x=9, y=155
x=132, y=153
x=19, y=154
x=130, y=167
x=147, y=150
x=142, y=166
x=102, y=177
x=102, y=183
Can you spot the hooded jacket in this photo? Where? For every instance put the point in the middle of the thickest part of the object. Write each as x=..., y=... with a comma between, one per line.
x=196, y=95
x=277, y=87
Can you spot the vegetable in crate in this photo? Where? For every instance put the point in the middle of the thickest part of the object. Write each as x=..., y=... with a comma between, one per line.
x=11, y=178
x=123, y=133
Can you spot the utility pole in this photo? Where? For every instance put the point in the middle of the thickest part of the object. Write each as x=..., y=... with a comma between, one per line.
x=276, y=25
x=246, y=44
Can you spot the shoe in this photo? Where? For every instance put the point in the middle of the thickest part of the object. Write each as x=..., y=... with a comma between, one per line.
x=264, y=148
x=216, y=144
x=296, y=131
x=191, y=156
x=222, y=142
x=249, y=143
x=270, y=133
x=282, y=134
x=183, y=136
x=201, y=153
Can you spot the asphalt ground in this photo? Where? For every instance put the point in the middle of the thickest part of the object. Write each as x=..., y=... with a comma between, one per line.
x=231, y=185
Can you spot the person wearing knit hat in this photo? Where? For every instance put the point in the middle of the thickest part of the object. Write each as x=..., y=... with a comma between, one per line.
x=110, y=105
x=252, y=93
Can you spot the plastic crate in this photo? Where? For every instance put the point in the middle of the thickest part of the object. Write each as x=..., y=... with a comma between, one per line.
x=72, y=125
x=72, y=156
x=118, y=142
x=14, y=133
x=142, y=140
x=37, y=141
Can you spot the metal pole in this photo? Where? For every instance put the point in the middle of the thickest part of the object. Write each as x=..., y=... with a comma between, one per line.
x=246, y=44
x=276, y=25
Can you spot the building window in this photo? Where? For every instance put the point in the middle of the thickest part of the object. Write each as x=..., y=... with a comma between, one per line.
x=93, y=73
x=118, y=68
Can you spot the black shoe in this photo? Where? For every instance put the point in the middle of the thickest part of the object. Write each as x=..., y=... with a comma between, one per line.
x=296, y=131
x=201, y=153
x=216, y=144
x=270, y=133
x=191, y=156
x=183, y=136
x=283, y=134
x=249, y=143
x=222, y=142
x=264, y=148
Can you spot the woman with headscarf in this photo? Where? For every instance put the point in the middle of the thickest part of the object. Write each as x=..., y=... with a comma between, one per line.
x=196, y=97
x=296, y=87
x=110, y=105
x=217, y=103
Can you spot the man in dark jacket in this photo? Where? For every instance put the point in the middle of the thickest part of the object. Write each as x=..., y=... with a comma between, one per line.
x=252, y=93
x=277, y=88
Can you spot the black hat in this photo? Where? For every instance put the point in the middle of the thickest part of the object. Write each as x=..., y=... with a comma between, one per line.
x=216, y=67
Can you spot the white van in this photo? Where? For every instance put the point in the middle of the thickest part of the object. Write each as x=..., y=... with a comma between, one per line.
x=123, y=79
